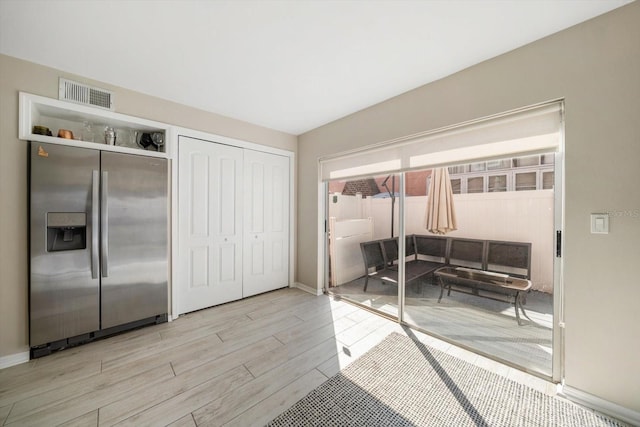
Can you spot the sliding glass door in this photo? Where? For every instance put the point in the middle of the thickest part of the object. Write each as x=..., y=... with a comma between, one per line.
x=487, y=283
x=453, y=232
x=504, y=230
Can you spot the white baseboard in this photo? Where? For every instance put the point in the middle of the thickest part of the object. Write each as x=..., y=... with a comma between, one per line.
x=14, y=359
x=309, y=289
x=603, y=406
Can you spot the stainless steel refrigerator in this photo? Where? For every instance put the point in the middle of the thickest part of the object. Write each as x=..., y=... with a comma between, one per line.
x=98, y=243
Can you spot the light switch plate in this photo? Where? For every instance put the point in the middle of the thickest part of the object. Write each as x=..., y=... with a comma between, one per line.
x=599, y=223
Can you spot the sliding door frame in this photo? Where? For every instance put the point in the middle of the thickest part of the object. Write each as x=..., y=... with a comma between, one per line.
x=558, y=343
x=557, y=368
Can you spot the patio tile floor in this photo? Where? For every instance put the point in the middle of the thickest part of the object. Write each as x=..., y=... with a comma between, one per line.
x=484, y=325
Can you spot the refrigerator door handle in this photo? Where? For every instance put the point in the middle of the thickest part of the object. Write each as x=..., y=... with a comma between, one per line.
x=95, y=192
x=104, y=224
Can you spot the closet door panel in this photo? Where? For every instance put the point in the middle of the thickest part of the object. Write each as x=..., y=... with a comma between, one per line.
x=266, y=234
x=210, y=224
x=198, y=267
x=257, y=189
x=257, y=258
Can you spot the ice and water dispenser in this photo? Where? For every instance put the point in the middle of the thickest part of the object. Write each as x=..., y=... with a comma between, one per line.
x=66, y=231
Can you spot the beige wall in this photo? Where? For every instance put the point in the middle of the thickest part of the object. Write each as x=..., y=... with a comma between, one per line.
x=17, y=75
x=595, y=67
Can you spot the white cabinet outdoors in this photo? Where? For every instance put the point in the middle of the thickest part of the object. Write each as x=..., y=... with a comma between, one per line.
x=233, y=213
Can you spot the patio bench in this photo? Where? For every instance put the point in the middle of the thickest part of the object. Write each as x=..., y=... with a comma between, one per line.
x=383, y=255
x=487, y=268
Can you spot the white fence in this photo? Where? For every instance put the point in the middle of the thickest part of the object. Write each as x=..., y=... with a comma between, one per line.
x=521, y=216
x=344, y=248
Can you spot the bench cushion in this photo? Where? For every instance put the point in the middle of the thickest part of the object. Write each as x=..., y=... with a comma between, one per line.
x=432, y=246
x=433, y=252
x=513, y=258
x=467, y=253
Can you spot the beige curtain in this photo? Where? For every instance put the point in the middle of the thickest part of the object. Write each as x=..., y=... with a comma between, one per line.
x=440, y=215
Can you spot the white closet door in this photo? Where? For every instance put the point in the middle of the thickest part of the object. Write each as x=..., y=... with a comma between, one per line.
x=210, y=224
x=266, y=222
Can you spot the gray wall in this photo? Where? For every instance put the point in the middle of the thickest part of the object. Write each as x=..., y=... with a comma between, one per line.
x=595, y=67
x=17, y=75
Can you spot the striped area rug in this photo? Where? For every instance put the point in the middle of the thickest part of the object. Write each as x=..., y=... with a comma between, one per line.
x=402, y=382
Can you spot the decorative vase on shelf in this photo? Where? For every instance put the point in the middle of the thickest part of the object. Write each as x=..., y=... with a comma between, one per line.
x=109, y=136
x=87, y=132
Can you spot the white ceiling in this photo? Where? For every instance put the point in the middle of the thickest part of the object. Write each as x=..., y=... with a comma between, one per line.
x=287, y=65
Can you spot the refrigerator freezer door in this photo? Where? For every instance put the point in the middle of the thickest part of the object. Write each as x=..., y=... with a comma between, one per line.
x=134, y=238
x=64, y=297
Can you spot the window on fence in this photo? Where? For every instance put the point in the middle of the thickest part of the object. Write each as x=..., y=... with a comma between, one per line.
x=526, y=161
x=497, y=183
x=456, y=185
x=547, y=180
x=475, y=184
x=526, y=181
x=498, y=164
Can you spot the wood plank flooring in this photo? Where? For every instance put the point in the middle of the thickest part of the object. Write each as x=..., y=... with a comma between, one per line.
x=239, y=364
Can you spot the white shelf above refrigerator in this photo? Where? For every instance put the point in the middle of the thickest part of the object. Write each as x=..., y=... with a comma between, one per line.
x=55, y=114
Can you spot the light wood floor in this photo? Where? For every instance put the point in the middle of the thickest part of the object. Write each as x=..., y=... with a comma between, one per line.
x=239, y=364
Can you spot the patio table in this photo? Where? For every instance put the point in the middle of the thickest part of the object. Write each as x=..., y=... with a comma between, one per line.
x=480, y=280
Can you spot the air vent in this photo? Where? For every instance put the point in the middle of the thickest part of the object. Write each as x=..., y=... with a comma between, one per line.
x=86, y=95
